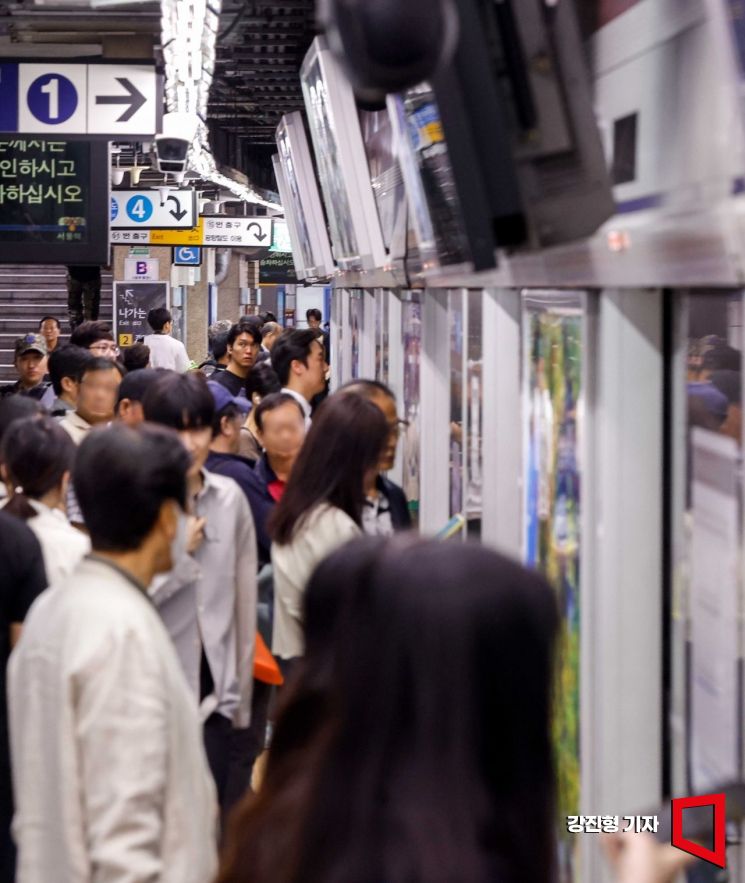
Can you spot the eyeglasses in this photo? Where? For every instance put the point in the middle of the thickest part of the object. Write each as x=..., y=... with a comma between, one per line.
x=104, y=347
x=397, y=425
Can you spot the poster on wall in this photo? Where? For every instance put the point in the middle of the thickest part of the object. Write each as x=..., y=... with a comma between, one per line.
x=132, y=302
x=552, y=390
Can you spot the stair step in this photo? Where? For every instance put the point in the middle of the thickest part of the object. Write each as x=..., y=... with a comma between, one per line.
x=27, y=294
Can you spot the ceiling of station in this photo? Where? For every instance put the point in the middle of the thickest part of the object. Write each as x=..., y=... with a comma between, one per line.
x=261, y=46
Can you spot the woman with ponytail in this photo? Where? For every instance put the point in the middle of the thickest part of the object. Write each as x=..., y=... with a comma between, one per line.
x=37, y=456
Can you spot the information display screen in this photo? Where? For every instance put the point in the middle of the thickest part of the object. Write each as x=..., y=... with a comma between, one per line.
x=53, y=201
x=277, y=268
x=330, y=171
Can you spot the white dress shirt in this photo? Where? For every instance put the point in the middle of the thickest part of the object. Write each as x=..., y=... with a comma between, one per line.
x=320, y=533
x=167, y=352
x=62, y=545
x=110, y=776
x=209, y=600
x=303, y=402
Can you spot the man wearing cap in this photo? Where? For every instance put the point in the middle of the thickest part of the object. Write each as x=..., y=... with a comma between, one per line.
x=31, y=366
x=223, y=458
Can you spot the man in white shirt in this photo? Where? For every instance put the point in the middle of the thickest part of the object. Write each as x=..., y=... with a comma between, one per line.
x=208, y=601
x=165, y=351
x=299, y=361
x=110, y=775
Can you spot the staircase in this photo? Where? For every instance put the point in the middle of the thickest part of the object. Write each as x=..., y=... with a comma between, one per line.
x=29, y=292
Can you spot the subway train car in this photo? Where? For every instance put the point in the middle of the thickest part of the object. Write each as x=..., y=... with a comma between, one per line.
x=554, y=292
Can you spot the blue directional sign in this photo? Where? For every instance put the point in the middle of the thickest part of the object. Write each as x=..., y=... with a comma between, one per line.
x=139, y=209
x=187, y=256
x=114, y=209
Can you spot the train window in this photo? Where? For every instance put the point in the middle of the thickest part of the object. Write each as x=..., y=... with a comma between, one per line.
x=707, y=541
x=356, y=320
x=382, y=306
x=456, y=320
x=624, y=149
x=411, y=334
x=474, y=399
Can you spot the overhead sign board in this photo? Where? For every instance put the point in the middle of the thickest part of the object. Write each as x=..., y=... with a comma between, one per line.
x=241, y=232
x=53, y=201
x=209, y=231
x=133, y=209
x=132, y=302
x=141, y=269
x=93, y=101
x=187, y=256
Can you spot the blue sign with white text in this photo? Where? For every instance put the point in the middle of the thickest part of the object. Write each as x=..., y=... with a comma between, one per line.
x=187, y=256
x=52, y=99
x=139, y=209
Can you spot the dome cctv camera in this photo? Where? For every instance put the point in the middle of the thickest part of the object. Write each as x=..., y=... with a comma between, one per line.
x=173, y=143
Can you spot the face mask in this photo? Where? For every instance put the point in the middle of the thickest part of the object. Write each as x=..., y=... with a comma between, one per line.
x=178, y=543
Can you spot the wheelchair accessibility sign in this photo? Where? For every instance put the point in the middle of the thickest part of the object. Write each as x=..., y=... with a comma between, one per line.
x=187, y=256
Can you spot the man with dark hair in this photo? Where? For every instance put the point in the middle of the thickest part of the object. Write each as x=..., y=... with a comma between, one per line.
x=217, y=336
x=298, y=359
x=30, y=364
x=386, y=509
x=280, y=424
x=132, y=390
x=83, y=294
x=136, y=357
x=66, y=366
x=49, y=328
x=224, y=457
x=108, y=761
x=208, y=601
x=97, y=393
x=269, y=336
x=165, y=351
x=314, y=318
x=96, y=337
x=243, y=347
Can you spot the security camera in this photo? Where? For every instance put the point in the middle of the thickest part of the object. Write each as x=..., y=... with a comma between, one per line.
x=173, y=143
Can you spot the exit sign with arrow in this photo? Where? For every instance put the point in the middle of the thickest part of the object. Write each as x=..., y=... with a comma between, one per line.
x=220, y=230
x=153, y=209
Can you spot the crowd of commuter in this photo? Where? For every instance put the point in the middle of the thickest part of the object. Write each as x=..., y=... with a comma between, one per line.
x=174, y=540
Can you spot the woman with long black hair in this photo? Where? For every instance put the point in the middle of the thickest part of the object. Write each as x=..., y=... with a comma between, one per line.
x=321, y=507
x=413, y=744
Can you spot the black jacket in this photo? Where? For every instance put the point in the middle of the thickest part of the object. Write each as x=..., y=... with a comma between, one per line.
x=400, y=517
